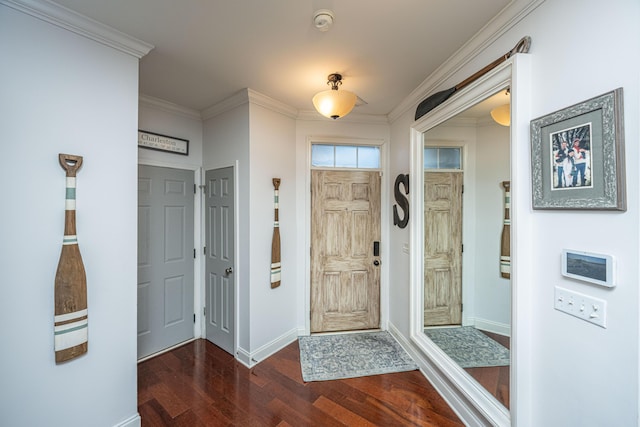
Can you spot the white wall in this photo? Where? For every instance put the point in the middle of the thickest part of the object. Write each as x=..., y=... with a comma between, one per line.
x=352, y=127
x=63, y=93
x=272, y=155
x=581, y=374
x=492, y=292
x=165, y=118
x=226, y=143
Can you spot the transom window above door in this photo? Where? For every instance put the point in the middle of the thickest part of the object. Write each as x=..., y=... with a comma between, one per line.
x=449, y=158
x=345, y=156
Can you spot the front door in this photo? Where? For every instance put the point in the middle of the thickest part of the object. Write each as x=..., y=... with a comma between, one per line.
x=220, y=289
x=345, y=272
x=165, y=258
x=442, y=248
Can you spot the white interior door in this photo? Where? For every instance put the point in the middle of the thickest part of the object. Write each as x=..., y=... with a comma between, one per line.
x=220, y=289
x=165, y=258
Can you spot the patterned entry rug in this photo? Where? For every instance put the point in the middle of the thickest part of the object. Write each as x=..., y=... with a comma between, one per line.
x=469, y=347
x=330, y=357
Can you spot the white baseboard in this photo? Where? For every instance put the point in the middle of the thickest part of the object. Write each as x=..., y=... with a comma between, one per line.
x=491, y=326
x=250, y=359
x=133, y=421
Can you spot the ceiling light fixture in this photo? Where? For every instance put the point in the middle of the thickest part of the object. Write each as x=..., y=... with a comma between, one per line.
x=502, y=114
x=334, y=103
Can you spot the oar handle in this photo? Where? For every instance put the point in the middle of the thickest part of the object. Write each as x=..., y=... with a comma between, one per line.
x=70, y=163
x=521, y=47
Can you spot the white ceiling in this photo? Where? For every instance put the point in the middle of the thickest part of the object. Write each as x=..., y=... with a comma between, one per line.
x=207, y=50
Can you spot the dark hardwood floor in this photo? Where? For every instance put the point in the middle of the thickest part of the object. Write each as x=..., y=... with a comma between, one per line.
x=199, y=384
x=494, y=379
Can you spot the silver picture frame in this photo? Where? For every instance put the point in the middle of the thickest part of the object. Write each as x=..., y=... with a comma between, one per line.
x=577, y=156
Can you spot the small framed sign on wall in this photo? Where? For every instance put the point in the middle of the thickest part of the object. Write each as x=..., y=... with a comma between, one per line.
x=589, y=267
x=156, y=141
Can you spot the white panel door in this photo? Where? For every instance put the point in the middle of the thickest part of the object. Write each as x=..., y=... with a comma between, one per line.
x=220, y=290
x=165, y=258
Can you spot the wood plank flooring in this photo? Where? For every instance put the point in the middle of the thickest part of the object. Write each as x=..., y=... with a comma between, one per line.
x=199, y=384
x=494, y=379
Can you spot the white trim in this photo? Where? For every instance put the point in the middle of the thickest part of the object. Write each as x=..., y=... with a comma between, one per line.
x=70, y=20
x=165, y=350
x=168, y=107
x=503, y=329
x=252, y=97
x=513, y=13
x=384, y=219
x=446, y=373
x=253, y=358
x=132, y=421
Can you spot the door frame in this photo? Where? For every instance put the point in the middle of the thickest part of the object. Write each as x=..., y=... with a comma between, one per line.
x=384, y=230
x=198, y=234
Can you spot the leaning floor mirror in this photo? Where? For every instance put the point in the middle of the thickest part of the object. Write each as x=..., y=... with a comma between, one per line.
x=462, y=296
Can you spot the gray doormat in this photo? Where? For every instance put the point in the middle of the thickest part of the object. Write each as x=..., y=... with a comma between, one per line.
x=330, y=357
x=469, y=347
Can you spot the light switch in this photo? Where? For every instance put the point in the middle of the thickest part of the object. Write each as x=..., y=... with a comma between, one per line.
x=585, y=307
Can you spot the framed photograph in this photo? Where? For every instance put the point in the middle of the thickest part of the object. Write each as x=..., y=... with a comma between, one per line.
x=156, y=141
x=577, y=156
x=589, y=267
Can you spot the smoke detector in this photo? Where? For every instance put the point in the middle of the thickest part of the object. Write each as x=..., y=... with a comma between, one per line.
x=323, y=19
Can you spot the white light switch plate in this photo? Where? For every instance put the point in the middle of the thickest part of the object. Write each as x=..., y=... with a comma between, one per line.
x=585, y=307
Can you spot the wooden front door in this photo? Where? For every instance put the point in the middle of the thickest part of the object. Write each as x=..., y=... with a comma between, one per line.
x=345, y=272
x=442, y=248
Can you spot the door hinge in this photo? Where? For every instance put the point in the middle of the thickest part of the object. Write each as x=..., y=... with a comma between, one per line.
x=194, y=318
x=461, y=307
x=204, y=250
x=462, y=191
x=204, y=311
x=461, y=248
x=194, y=253
x=195, y=189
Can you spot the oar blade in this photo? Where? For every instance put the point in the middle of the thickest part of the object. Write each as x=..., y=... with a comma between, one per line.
x=433, y=101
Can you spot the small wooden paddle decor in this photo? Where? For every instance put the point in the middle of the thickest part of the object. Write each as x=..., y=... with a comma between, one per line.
x=275, y=240
x=505, y=246
x=70, y=321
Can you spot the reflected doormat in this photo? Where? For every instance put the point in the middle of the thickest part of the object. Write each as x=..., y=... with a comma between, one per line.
x=469, y=347
x=330, y=357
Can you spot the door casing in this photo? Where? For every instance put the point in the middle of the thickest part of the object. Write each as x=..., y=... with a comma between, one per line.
x=304, y=299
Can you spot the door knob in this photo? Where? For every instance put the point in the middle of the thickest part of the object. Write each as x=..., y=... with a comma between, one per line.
x=376, y=262
x=228, y=270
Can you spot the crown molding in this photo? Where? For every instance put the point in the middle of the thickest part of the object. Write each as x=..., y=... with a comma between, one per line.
x=169, y=107
x=272, y=104
x=513, y=13
x=67, y=19
x=228, y=104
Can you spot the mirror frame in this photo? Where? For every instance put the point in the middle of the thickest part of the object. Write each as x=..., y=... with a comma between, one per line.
x=468, y=398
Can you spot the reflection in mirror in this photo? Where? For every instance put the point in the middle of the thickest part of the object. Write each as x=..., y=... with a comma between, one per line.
x=466, y=286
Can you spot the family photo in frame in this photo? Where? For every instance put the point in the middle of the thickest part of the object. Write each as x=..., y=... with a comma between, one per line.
x=577, y=156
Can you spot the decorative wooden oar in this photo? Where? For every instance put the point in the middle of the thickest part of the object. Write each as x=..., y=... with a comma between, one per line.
x=275, y=240
x=71, y=320
x=505, y=246
x=438, y=98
